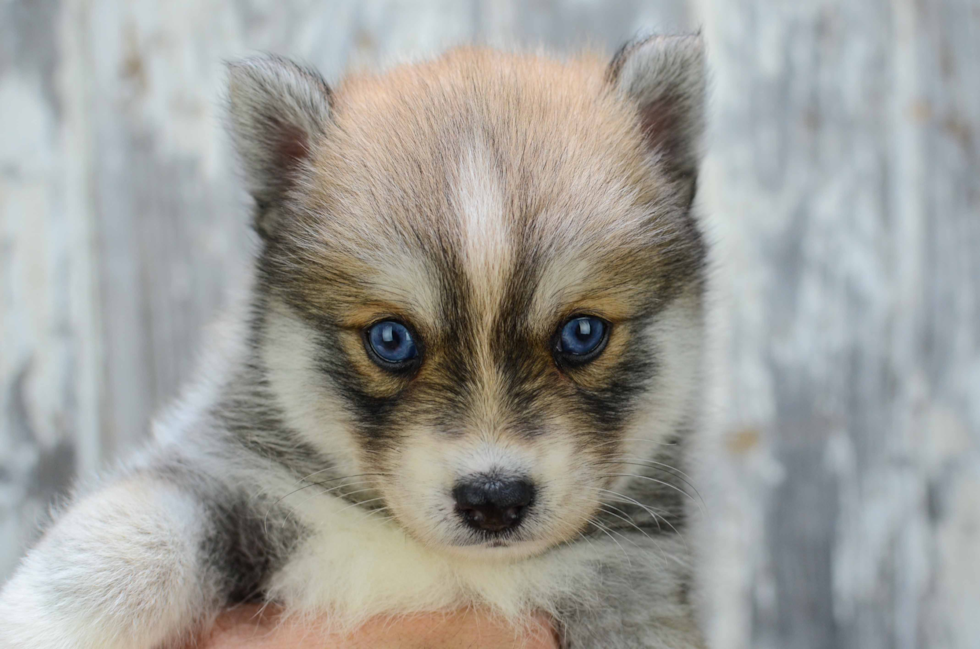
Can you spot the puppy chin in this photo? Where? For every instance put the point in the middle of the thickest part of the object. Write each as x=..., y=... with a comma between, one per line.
x=498, y=550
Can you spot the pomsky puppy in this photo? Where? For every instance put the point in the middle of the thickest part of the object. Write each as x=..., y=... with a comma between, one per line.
x=467, y=376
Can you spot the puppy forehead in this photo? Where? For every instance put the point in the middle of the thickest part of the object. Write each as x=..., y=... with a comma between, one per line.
x=477, y=164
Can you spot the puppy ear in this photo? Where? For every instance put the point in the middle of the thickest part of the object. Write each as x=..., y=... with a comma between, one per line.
x=278, y=110
x=664, y=77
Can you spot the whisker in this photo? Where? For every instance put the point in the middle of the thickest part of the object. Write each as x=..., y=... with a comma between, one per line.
x=323, y=482
x=356, y=491
x=384, y=519
x=623, y=516
x=265, y=519
x=328, y=480
x=602, y=528
x=320, y=484
x=688, y=480
x=307, y=477
x=371, y=500
x=648, y=510
x=612, y=442
x=646, y=462
x=339, y=491
x=661, y=482
x=656, y=517
x=609, y=509
x=583, y=534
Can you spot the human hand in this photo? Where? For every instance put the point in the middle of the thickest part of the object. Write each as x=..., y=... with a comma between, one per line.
x=248, y=627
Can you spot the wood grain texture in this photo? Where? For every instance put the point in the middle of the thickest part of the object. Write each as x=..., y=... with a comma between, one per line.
x=842, y=185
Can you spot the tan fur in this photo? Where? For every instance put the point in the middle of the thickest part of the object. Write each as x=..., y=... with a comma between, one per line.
x=404, y=145
x=502, y=159
x=483, y=200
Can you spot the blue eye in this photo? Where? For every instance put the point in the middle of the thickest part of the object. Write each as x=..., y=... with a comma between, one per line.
x=392, y=342
x=582, y=337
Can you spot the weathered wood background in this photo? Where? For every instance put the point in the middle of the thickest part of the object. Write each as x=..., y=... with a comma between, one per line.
x=842, y=185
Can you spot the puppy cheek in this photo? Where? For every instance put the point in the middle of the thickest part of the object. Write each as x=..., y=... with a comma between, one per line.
x=419, y=485
x=570, y=477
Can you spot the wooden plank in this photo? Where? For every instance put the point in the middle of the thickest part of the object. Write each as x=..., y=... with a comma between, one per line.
x=48, y=323
x=842, y=185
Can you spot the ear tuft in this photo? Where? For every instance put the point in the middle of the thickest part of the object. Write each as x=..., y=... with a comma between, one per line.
x=664, y=76
x=278, y=110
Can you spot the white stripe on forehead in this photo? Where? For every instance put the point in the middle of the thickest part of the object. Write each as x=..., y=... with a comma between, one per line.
x=479, y=202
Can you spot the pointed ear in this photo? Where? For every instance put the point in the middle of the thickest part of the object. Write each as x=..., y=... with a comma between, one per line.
x=278, y=110
x=664, y=77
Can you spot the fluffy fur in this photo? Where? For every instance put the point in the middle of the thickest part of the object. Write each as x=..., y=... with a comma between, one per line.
x=482, y=199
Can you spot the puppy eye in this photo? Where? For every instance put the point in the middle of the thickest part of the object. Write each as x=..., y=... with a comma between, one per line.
x=391, y=344
x=581, y=339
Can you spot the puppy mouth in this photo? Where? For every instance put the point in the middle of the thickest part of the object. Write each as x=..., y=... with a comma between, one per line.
x=525, y=539
x=458, y=538
x=504, y=549
x=491, y=541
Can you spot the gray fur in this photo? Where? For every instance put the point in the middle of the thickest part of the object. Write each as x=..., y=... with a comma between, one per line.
x=277, y=110
x=641, y=595
x=207, y=516
x=665, y=77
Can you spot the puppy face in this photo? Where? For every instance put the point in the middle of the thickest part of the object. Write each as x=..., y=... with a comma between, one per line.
x=481, y=280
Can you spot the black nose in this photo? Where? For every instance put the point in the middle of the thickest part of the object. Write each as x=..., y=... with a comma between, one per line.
x=493, y=504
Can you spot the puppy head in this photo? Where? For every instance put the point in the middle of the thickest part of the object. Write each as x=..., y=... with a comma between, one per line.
x=481, y=281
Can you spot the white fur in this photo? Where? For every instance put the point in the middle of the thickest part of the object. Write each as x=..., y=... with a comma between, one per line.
x=289, y=353
x=126, y=566
x=479, y=205
x=679, y=340
x=430, y=465
x=358, y=564
x=119, y=551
